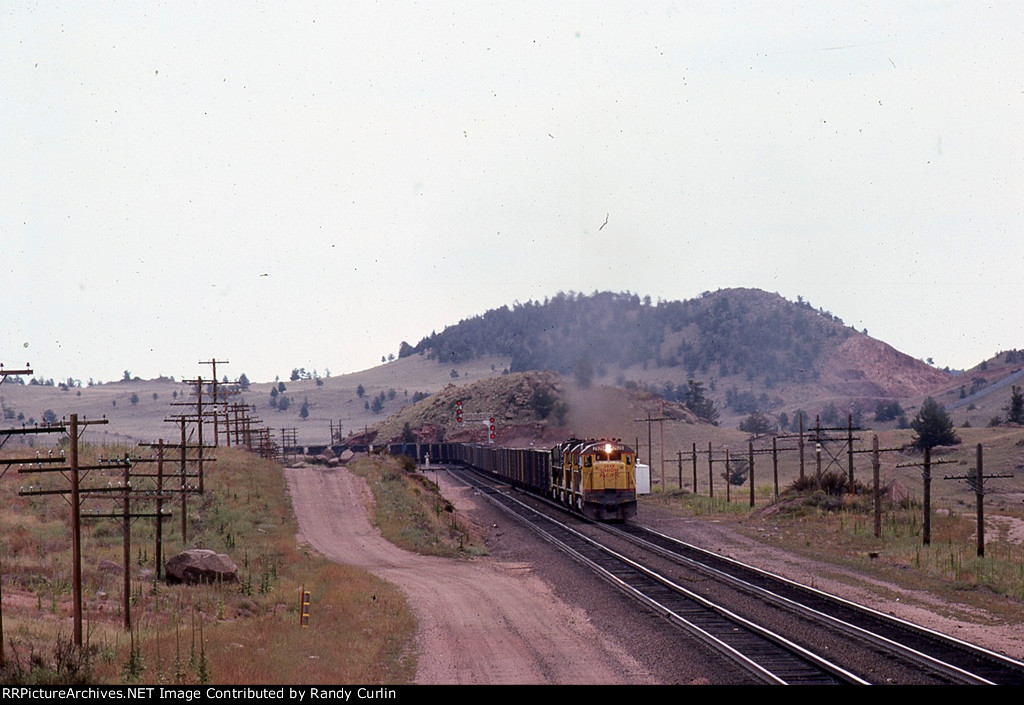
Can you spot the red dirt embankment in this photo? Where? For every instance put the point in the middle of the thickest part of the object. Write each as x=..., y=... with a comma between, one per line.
x=865, y=367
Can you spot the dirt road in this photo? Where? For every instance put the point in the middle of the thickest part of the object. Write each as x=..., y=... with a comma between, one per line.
x=485, y=621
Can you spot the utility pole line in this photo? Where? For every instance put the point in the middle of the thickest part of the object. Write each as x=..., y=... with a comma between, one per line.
x=123, y=489
x=823, y=437
x=162, y=493
x=76, y=508
x=289, y=439
x=650, y=457
x=751, y=452
x=185, y=487
x=213, y=363
x=225, y=392
x=198, y=382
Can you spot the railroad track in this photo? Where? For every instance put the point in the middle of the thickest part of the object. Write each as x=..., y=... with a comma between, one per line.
x=769, y=657
x=766, y=654
x=958, y=660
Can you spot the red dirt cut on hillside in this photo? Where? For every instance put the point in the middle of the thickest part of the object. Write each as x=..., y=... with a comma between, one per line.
x=865, y=367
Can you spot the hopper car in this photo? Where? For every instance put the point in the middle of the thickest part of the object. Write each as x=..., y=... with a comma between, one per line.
x=595, y=477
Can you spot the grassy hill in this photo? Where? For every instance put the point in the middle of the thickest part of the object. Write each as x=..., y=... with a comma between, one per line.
x=331, y=400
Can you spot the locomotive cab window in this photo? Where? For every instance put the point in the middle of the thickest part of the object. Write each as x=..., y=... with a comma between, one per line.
x=588, y=461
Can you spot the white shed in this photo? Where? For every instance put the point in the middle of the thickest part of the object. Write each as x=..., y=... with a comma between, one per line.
x=643, y=479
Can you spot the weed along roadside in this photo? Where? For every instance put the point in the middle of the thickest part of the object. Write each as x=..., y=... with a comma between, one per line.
x=244, y=632
x=410, y=511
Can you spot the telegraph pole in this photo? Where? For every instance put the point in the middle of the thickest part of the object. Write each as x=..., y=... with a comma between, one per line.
x=213, y=363
x=876, y=493
x=76, y=536
x=976, y=480
x=4, y=374
x=76, y=511
x=926, y=475
x=750, y=457
x=289, y=439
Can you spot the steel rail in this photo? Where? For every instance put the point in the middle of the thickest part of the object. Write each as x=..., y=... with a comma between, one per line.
x=1010, y=670
x=801, y=664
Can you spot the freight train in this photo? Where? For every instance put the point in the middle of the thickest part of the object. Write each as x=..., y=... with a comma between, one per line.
x=594, y=477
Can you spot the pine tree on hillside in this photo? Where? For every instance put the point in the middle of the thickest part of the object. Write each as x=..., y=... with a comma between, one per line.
x=932, y=426
x=1015, y=411
x=698, y=403
x=757, y=424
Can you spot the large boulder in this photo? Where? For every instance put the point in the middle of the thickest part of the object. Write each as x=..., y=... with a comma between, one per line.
x=200, y=565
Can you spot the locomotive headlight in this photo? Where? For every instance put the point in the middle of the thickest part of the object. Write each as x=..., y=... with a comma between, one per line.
x=608, y=448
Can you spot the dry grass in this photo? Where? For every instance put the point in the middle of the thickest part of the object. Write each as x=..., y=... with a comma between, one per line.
x=334, y=400
x=411, y=513
x=240, y=633
x=839, y=530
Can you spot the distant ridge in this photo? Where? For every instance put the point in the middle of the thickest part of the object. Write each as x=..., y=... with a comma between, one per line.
x=730, y=331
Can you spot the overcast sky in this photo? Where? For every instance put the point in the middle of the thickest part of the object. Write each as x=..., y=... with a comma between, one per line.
x=309, y=184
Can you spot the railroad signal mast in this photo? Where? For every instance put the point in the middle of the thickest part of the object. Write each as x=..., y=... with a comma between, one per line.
x=488, y=421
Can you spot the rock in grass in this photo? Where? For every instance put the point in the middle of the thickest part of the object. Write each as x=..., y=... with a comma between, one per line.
x=200, y=565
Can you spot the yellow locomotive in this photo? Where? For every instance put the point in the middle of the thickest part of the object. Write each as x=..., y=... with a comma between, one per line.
x=595, y=477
